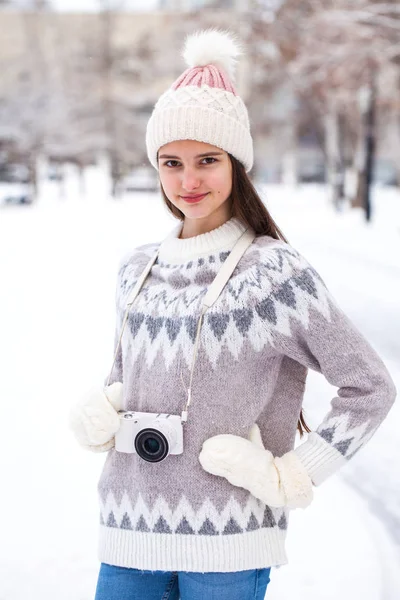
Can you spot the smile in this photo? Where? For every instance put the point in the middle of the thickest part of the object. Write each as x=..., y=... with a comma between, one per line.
x=192, y=199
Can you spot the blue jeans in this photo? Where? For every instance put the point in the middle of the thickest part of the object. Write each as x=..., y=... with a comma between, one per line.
x=121, y=583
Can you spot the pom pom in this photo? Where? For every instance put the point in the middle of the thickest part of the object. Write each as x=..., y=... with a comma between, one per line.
x=212, y=47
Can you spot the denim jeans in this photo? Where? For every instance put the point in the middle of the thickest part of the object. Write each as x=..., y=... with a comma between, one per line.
x=121, y=583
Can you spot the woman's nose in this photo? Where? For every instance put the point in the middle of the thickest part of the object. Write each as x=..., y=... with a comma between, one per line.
x=190, y=180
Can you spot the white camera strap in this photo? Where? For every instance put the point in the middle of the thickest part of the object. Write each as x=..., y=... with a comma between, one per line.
x=211, y=296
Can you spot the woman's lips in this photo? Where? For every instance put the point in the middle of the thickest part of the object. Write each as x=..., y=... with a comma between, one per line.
x=192, y=199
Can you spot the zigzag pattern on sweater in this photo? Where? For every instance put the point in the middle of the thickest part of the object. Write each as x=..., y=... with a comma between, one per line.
x=184, y=520
x=273, y=287
x=347, y=439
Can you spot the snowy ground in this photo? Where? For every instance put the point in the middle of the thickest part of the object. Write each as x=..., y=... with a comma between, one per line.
x=57, y=267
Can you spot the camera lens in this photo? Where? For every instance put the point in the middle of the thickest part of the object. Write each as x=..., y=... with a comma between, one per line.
x=151, y=445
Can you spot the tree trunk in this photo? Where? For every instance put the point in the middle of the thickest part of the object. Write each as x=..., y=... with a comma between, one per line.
x=334, y=160
x=366, y=168
x=290, y=159
x=33, y=180
x=108, y=17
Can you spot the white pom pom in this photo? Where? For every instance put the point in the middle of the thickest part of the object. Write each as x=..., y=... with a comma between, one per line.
x=212, y=46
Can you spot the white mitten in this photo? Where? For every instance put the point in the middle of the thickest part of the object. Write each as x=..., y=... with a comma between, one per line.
x=246, y=463
x=94, y=420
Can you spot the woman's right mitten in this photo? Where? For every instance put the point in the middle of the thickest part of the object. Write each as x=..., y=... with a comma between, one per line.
x=94, y=420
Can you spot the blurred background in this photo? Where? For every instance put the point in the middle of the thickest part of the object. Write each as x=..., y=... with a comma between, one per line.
x=78, y=81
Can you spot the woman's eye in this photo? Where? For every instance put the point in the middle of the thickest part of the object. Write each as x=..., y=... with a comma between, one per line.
x=173, y=163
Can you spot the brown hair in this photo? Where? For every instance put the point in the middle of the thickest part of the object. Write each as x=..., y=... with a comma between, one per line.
x=248, y=207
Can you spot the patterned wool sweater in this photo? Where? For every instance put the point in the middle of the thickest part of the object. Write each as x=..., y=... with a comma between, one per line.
x=274, y=319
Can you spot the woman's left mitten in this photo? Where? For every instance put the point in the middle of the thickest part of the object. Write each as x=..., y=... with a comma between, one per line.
x=246, y=463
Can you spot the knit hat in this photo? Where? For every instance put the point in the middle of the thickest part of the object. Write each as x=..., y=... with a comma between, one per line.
x=202, y=104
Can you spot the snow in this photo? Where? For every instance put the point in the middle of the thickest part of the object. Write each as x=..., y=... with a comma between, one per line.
x=57, y=268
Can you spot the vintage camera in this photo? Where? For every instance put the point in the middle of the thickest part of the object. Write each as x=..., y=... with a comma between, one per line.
x=151, y=436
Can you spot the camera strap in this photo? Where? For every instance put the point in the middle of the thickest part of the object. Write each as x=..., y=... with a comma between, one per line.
x=213, y=292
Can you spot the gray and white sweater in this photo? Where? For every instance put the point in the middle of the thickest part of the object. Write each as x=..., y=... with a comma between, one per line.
x=273, y=321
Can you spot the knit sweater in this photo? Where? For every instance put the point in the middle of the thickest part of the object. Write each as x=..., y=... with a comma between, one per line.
x=274, y=319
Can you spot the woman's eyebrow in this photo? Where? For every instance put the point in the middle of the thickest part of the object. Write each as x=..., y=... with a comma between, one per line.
x=197, y=156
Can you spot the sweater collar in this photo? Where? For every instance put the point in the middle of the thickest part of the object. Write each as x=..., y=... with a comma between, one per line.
x=175, y=250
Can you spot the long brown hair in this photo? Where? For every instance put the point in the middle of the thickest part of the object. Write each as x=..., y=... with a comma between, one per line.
x=248, y=207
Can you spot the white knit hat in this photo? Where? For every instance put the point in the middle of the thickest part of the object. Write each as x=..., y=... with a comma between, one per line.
x=202, y=103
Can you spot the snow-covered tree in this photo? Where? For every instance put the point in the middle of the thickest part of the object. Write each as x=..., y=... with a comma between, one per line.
x=337, y=52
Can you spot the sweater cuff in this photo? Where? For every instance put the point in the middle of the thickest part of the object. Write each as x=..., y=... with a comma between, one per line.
x=319, y=458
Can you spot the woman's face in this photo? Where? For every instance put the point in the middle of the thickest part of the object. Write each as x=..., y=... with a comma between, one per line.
x=189, y=169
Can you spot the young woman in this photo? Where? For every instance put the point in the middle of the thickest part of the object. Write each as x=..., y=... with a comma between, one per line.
x=197, y=485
